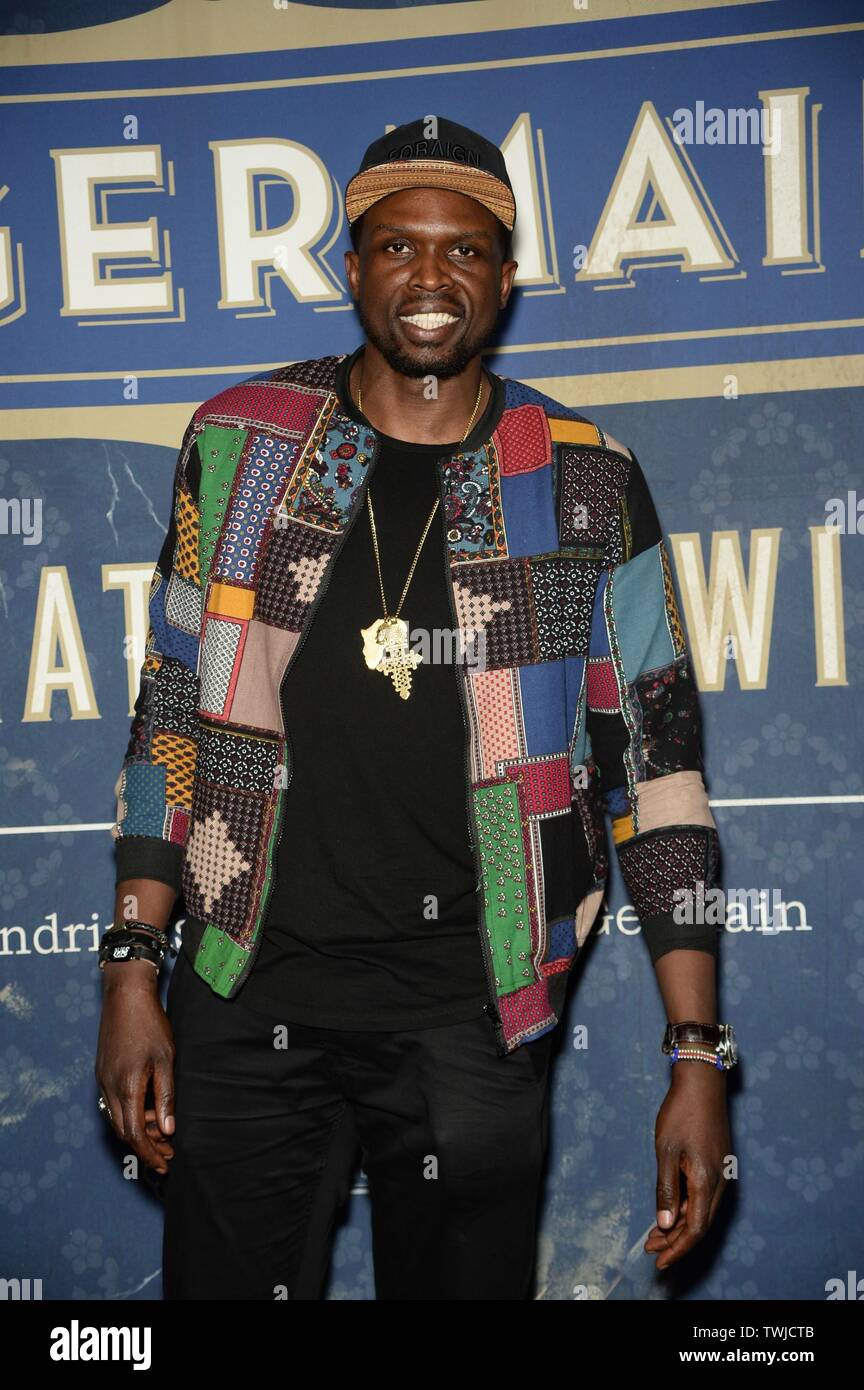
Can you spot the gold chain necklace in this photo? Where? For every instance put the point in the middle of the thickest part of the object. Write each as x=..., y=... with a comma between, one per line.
x=385, y=642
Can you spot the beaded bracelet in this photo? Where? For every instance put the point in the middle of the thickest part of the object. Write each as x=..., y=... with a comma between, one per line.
x=692, y=1054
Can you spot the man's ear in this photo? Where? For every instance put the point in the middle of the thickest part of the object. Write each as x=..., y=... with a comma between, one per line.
x=508, y=275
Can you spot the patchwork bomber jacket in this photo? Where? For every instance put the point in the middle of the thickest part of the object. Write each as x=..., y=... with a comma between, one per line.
x=584, y=704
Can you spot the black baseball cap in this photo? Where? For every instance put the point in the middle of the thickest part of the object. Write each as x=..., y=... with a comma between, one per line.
x=433, y=152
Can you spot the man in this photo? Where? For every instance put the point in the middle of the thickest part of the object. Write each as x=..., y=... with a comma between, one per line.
x=392, y=848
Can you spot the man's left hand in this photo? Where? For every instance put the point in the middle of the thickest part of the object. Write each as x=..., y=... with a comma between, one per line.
x=691, y=1136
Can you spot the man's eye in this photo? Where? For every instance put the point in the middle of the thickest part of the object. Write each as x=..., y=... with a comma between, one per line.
x=464, y=247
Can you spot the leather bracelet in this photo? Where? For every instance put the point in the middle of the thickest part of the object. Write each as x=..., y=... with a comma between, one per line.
x=125, y=946
x=690, y=1031
x=133, y=925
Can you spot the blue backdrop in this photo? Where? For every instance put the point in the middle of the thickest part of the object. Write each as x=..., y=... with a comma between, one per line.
x=170, y=222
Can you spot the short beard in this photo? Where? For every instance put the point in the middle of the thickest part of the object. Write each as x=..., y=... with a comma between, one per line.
x=453, y=363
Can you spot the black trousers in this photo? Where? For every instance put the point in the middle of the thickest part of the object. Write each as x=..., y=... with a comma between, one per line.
x=452, y=1139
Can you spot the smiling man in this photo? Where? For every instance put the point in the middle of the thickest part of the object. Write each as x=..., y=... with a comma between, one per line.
x=412, y=634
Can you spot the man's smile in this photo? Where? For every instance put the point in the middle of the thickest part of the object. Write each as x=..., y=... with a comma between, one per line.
x=430, y=325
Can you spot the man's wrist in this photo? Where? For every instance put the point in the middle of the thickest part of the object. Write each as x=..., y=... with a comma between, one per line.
x=130, y=975
x=693, y=1072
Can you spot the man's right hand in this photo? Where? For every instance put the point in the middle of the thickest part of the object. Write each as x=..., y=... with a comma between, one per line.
x=136, y=1046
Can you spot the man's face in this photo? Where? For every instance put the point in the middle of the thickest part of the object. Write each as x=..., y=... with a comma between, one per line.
x=429, y=250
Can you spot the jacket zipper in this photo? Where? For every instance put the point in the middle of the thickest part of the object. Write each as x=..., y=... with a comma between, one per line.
x=325, y=584
x=491, y=1007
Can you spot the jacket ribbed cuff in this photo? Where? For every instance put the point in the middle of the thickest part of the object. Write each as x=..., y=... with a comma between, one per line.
x=149, y=856
x=663, y=933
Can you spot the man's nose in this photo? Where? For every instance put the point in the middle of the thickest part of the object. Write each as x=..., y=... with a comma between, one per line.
x=432, y=269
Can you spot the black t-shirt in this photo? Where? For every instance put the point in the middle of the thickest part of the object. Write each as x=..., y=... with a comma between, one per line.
x=373, y=917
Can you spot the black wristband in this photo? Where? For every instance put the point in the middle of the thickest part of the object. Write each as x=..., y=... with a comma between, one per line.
x=123, y=946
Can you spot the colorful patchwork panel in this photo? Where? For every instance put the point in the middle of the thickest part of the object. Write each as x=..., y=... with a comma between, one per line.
x=544, y=794
x=508, y=883
x=183, y=605
x=259, y=483
x=220, y=451
x=602, y=685
x=522, y=440
x=574, y=429
x=493, y=601
x=266, y=654
x=177, y=756
x=496, y=703
x=561, y=948
x=655, y=864
x=546, y=710
x=545, y=784
x=220, y=854
x=525, y=1013
x=285, y=409
x=186, y=561
x=563, y=592
x=531, y=526
x=221, y=653
x=142, y=794
x=176, y=827
x=250, y=764
x=472, y=515
x=537, y=608
x=174, y=699
x=164, y=634
x=638, y=609
x=590, y=487
x=323, y=489
x=297, y=556
x=671, y=724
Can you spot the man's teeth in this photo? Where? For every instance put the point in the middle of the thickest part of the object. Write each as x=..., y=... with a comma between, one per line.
x=428, y=320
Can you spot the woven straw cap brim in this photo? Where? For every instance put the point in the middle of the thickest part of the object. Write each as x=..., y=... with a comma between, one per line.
x=366, y=188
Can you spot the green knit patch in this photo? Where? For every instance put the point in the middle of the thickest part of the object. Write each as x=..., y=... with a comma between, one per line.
x=219, y=961
x=505, y=885
x=220, y=451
